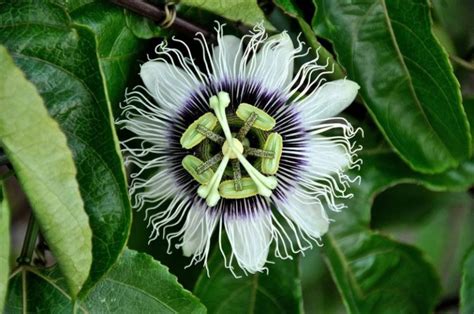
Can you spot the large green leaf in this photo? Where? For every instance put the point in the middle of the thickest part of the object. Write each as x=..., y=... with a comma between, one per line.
x=43, y=164
x=366, y=265
x=135, y=284
x=4, y=245
x=61, y=59
x=467, y=289
x=279, y=291
x=441, y=224
x=405, y=77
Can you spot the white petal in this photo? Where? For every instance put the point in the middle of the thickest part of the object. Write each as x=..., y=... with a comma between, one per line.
x=168, y=84
x=328, y=156
x=250, y=237
x=198, y=229
x=227, y=56
x=273, y=64
x=328, y=101
x=309, y=215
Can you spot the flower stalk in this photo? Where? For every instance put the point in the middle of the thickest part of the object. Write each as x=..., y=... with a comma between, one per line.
x=29, y=244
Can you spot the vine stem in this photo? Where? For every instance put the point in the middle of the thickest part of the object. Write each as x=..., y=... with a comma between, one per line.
x=158, y=15
x=465, y=64
x=29, y=244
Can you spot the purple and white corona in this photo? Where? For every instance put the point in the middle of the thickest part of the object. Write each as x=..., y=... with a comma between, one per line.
x=240, y=146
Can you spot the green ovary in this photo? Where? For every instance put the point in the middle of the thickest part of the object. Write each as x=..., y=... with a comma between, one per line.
x=233, y=153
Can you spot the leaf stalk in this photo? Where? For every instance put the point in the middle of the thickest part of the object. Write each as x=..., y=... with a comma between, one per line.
x=29, y=244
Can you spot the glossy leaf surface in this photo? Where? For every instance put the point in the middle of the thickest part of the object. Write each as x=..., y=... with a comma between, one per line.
x=61, y=59
x=38, y=152
x=136, y=283
x=365, y=264
x=405, y=76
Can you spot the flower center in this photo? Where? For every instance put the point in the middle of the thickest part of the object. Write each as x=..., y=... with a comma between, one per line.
x=229, y=149
x=233, y=150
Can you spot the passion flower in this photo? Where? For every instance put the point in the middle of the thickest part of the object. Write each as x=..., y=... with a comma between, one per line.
x=238, y=144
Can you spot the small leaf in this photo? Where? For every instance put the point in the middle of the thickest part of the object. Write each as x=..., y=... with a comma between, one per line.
x=4, y=245
x=43, y=164
x=135, y=284
x=245, y=11
x=279, y=291
x=406, y=79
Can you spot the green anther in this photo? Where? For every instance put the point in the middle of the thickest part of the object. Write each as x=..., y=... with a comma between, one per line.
x=210, y=135
x=257, y=152
x=237, y=175
x=247, y=126
x=263, y=122
x=191, y=164
x=227, y=189
x=191, y=137
x=209, y=163
x=274, y=143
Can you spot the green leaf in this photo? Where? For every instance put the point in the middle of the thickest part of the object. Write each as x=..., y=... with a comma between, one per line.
x=377, y=275
x=405, y=77
x=279, y=291
x=467, y=288
x=4, y=245
x=136, y=283
x=143, y=27
x=61, y=59
x=365, y=264
x=441, y=224
x=118, y=47
x=320, y=294
x=43, y=164
x=245, y=11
